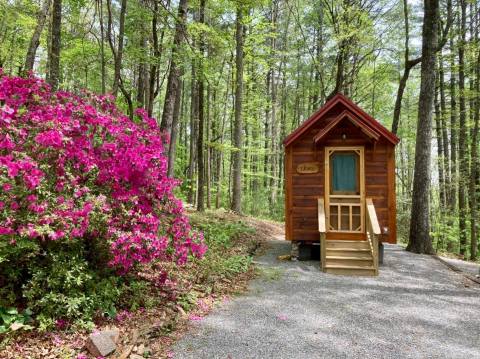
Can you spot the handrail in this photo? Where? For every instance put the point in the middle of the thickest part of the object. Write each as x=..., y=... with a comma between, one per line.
x=322, y=230
x=373, y=231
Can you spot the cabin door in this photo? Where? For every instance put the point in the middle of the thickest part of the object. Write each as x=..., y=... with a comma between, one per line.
x=345, y=192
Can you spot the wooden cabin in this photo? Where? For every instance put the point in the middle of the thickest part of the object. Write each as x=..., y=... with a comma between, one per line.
x=340, y=187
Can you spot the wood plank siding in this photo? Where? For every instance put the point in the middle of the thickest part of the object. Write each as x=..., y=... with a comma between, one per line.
x=302, y=190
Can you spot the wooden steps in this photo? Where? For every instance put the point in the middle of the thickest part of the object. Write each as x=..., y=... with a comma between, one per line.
x=349, y=258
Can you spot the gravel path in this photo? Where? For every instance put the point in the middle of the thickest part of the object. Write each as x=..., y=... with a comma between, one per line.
x=415, y=308
x=467, y=267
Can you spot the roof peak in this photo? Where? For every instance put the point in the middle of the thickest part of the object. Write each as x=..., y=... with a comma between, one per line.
x=352, y=107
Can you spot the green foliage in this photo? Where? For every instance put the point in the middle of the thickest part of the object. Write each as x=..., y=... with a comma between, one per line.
x=221, y=236
x=12, y=320
x=62, y=286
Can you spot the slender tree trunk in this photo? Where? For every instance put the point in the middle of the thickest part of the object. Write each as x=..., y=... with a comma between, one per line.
x=35, y=39
x=193, y=134
x=438, y=135
x=175, y=70
x=208, y=152
x=118, y=53
x=102, y=47
x=174, y=134
x=157, y=45
x=462, y=139
x=409, y=64
x=453, y=130
x=474, y=191
x=201, y=119
x=238, y=125
x=443, y=109
x=53, y=77
x=420, y=240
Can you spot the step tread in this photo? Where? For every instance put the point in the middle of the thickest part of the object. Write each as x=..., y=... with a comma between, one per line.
x=344, y=241
x=350, y=258
x=338, y=266
x=348, y=249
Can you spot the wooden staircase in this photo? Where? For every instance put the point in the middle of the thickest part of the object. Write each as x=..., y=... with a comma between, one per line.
x=349, y=258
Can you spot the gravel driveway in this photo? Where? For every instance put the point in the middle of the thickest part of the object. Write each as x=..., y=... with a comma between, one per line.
x=415, y=308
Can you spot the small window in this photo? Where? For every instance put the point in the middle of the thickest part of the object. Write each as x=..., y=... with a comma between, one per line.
x=344, y=173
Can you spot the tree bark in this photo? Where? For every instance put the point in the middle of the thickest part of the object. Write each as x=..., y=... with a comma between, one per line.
x=462, y=139
x=174, y=134
x=35, y=39
x=453, y=130
x=443, y=109
x=474, y=191
x=175, y=70
x=102, y=47
x=409, y=64
x=419, y=240
x=201, y=119
x=118, y=52
x=53, y=77
x=238, y=124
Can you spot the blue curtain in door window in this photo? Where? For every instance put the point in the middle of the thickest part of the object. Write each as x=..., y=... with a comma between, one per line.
x=344, y=172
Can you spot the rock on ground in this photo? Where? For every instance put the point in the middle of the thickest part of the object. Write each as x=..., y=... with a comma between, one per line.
x=415, y=308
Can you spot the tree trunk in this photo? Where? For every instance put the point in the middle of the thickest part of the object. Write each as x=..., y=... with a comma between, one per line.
x=474, y=153
x=102, y=47
x=174, y=133
x=118, y=53
x=438, y=135
x=201, y=119
x=462, y=139
x=443, y=110
x=453, y=130
x=406, y=71
x=35, y=39
x=175, y=70
x=238, y=125
x=193, y=135
x=53, y=77
x=420, y=241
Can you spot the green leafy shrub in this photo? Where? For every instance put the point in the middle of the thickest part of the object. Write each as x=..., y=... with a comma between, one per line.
x=12, y=320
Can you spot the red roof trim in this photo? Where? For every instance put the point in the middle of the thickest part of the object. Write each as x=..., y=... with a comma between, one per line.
x=354, y=108
x=369, y=131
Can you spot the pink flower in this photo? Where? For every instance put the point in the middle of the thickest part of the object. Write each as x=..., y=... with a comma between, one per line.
x=51, y=138
x=103, y=176
x=194, y=317
x=6, y=143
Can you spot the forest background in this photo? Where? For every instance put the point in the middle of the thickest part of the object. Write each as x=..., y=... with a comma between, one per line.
x=228, y=80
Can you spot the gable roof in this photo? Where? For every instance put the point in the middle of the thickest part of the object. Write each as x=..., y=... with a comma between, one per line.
x=370, y=132
x=362, y=117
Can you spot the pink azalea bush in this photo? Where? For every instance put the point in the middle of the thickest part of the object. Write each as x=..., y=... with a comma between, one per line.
x=73, y=169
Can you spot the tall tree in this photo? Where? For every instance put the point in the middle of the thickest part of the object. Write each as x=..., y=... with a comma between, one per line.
x=237, y=156
x=201, y=118
x=173, y=84
x=409, y=64
x=462, y=138
x=420, y=240
x=117, y=51
x=474, y=190
x=35, y=39
x=54, y=54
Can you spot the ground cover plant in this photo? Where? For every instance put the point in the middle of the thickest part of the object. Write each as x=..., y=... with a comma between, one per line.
x=156, y=314
x=84, y=203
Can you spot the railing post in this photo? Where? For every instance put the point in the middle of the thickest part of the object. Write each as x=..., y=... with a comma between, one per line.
x=373, y=231
x=322, y=231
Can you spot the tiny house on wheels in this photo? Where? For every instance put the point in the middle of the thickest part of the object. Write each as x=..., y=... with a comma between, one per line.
x=340, y=188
